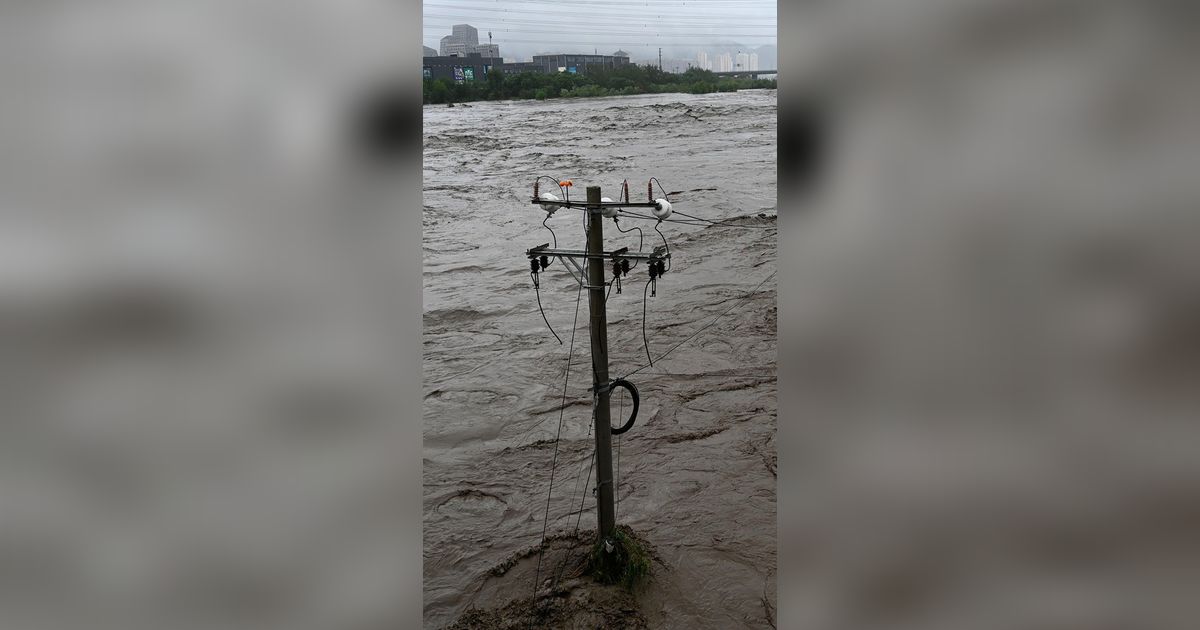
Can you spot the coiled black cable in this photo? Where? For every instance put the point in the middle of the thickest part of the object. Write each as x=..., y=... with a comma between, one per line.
x=633, y=393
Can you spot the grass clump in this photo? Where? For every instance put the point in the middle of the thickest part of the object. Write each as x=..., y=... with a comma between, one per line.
x=628, y=562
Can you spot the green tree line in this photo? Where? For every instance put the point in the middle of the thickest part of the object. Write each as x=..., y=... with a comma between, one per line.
x=598, y=81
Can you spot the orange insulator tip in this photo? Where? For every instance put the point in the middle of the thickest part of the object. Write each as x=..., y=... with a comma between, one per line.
x=565, y=182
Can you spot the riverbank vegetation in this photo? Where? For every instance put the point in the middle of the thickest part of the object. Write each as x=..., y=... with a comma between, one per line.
x=597, y=82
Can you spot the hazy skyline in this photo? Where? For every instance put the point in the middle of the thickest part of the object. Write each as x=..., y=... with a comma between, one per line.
x=679, y=27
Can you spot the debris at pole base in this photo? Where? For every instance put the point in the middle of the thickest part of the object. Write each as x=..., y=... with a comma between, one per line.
x=622, y=559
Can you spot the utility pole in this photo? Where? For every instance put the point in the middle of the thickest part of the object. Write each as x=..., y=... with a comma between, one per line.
x=591, y=277
x=599, y=334
x=660, y=59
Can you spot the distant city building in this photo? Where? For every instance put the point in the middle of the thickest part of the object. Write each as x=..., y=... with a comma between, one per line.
x=523, y=66
x=621, y=54
x=466, y=34
x=465, y=69
x=702, y=61
x=742, y=62
x=464, y=40
x=754, y=61
x=428, y=52
x=452, y=46
x=578, y=64
x=725, y=63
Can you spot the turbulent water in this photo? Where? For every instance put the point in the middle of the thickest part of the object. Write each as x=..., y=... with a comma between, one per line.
x=696, y=475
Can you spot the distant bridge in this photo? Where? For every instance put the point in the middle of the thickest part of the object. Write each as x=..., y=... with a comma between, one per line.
x=753, y=74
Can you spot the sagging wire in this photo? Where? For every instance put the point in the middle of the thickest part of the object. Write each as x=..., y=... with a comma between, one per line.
x=564, y=191
x=664, y=192
x=641, y=236
x=617, y=476
x=645, y=339
x=696, y=221
x=554, y=461
x=665, y=244
x=736, y=304
x=583, y=498
x=552, y=235
x=537, y=292
x=561, y=189
x=703, y=221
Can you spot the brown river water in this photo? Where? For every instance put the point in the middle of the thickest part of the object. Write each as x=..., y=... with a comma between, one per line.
x=696, y=474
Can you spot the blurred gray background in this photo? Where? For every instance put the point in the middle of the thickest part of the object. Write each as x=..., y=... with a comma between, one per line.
x=990, y=315
x=209, y=315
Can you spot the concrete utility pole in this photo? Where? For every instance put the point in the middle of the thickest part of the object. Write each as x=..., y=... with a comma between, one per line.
x=591, y=277
x=599, y=334
x=660, y=59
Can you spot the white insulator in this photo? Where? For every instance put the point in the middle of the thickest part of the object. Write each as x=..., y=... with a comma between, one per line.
x=549, y=208
x=608, y=212
x=661, y=209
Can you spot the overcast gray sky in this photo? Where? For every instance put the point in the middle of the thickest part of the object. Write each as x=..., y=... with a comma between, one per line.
x=680, y=27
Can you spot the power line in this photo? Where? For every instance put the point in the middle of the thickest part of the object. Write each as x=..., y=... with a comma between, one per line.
x=554, y=461
x=707, y=326
x=700, y=222
x=715, y=21
x=604, y=33
x=696, y=39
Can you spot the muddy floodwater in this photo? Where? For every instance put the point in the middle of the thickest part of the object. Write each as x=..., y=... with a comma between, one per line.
x=696, y=474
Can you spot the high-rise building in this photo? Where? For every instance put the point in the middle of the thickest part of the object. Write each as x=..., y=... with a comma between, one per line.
x=451, y=45
x=725, y=63
x=428, y=52
x=702, y=61
x=754, y=61
x=743, y=61
x=466, y=34
x=464, y=40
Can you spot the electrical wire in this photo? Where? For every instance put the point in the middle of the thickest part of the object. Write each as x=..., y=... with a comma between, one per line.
x=579, y=515
x=723, y=223
x=554, y=461
x=552, y=234
x=538, y=293
x=706, y=327
x=645, y=339
x=617, y=475
x=641, y=239
x=697, y=221
x=664, y=192
x=556, y=182
x=665, y=244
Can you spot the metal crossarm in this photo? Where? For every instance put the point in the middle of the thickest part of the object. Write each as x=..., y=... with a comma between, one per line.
x=603, y=204
x=544, y=250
